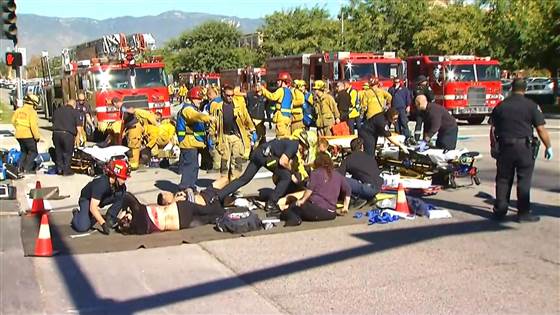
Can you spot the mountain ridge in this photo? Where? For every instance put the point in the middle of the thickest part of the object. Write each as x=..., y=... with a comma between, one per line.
x=33, y=29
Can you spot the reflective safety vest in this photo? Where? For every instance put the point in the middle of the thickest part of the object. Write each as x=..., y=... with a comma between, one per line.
x=285, y=106
x=308, y=110
x=355, y=102
x=197, y=129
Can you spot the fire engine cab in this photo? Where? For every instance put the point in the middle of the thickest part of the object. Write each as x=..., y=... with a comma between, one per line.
x=468, y=87
x=356, y=67
x=112, y=66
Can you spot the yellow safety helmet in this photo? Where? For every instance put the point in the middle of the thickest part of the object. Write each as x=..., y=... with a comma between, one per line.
x=300, y=83
x=31, y=99
x=319, y=85
x=302, y=136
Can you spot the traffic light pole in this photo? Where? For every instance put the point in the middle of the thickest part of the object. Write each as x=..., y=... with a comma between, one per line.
x=19, y=92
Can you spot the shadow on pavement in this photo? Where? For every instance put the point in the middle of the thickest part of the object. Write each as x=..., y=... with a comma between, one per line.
x=537, y=208
x=86, y=300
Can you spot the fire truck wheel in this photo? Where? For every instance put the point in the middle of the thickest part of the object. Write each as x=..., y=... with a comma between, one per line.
x=475, y=120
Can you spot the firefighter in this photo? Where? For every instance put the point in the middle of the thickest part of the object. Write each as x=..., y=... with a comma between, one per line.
x=24, y=120
x=136, y=121
x=283, y=97
x=233, y=130
x=214, y=99
x=256, y=106
x=354, y=112
x=375, y=100
x=191, y=133
x=114, y=129
x=157, y=137
x=422, y=88
x=297, y=106
x=183, y=93
x=171, y=92
x=325, y=108
x=307, y=107
x=86, y=122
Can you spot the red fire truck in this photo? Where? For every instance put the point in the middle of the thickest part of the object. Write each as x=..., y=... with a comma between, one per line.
x=468, y=86
x=199, y=78
x=352, y=66
x=112, y=66
x=245, y=78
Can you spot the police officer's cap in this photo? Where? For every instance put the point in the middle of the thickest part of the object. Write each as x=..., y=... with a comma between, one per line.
x=519, y=85
x=421, y=78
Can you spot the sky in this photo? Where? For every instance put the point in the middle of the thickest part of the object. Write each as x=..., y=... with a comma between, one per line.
x=103, y=9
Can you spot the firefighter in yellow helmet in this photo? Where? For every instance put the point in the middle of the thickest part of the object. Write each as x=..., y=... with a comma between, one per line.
x=326, y=109
x=191, y=134
x=157, y=137
x=136, y=121
x=375, y=99
x=297, y=106
x=283, y=97
x=24, y=120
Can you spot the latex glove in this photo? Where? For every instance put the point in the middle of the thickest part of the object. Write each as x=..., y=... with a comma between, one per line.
x=404, y=149
x=337, y=121
x=548, y=154
x=422, y=146
x=105, y=229
x=210, y=143
x=254, y=137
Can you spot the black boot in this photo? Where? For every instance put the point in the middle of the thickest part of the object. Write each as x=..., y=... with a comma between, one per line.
x=290, y=217
x=272, y=209
x=527, y=217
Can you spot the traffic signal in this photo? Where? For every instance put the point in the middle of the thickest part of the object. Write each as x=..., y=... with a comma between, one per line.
x=14, y=59
x=9, y=28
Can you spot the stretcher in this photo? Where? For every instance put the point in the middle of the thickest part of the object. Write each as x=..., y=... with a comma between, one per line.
x=90, y=160
x=443, y=167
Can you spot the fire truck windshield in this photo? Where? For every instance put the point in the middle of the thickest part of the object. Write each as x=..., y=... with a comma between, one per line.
x=150, y=77
x=117, y=79
x=488, y=72
x=459, y=73
x=112, y=80
x=387, y=70
x=357, y=72
x=363, y=71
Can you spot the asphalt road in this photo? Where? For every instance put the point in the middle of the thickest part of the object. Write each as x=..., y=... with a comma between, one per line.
x=466, y=264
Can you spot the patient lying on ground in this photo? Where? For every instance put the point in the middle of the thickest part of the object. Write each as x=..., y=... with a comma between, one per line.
x=168, y=215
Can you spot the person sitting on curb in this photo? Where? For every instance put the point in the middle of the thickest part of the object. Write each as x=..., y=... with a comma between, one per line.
x=321, y=195
x=366, y=181
x=104, y=190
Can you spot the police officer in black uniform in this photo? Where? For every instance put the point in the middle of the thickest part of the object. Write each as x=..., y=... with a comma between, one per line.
x=515, y=149
x=437, y=120
x=66, y=127
x=275, y=155
x=379, y=126
x=421, y=88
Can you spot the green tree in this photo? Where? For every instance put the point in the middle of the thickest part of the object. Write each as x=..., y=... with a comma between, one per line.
x=383, y=25
x=208, y=48
x=525, y=33
x=453, y=29
x=298, y=31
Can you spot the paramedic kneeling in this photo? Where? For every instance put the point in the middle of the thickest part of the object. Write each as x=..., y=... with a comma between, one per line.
x=103, y=190
x=437, y=119
x=366, y=181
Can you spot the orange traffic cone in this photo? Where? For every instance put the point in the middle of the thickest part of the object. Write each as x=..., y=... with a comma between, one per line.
x=402, y=204
x=38, y=206
x=43, y=244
